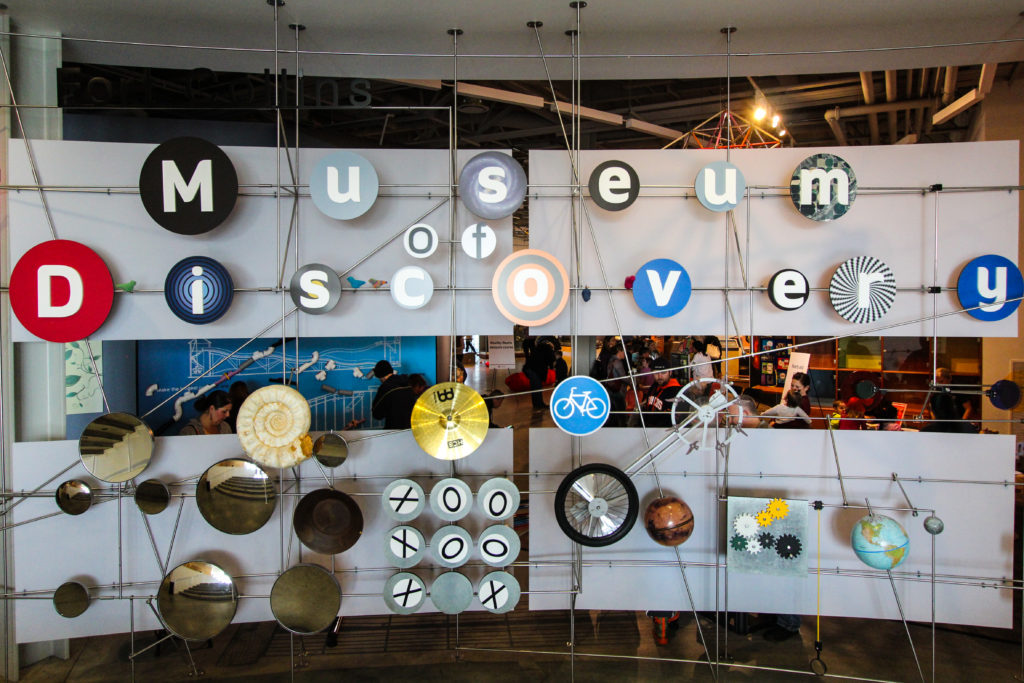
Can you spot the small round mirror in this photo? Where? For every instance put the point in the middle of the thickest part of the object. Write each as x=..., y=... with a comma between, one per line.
x=330, y=449
x=236, y=496
x=152, y=496
x=71, y=599
x=74, y=497
x=305, y=599
x=116, y=447
x=197, y=600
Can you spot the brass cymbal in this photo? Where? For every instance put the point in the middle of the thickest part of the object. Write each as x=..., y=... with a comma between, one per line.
x=449, y=420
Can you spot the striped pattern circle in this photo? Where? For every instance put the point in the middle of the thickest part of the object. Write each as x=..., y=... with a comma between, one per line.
x=530, y=287
x=217, y=289
x=844, y=289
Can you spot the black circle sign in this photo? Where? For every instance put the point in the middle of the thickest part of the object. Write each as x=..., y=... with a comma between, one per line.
x=188, y=185
x=614, y=185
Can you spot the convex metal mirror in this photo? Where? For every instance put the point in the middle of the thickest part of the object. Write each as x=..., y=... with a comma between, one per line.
x=197, y=600
x=116, y=447
x=152, y=496
x=305, y=599
x=236, y=496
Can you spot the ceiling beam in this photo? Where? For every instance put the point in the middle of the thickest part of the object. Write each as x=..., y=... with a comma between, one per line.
x=891, y=96
x=653, y=129
x=954, y=108
x=949, y=85
x=832, y=118
x=867, y=85
x=988, y=76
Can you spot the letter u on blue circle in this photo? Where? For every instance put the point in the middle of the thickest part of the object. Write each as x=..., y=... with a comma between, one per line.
x=580, y=405
x=662, y=288
x=720, y=186
x=991, y=282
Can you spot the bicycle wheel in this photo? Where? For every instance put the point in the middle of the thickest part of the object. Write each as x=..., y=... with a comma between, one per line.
x=563, y=408
x=596, y=408
x=596, y=505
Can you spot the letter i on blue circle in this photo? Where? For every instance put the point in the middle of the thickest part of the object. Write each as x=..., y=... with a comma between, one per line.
x=990, y=287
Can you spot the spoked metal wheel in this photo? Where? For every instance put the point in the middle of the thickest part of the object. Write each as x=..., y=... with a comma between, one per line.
x=596, y=505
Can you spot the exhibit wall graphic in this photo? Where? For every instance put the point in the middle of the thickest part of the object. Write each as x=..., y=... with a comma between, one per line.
x=892, y=217
x=379, y=233
x=166, y=366
x=367, y=250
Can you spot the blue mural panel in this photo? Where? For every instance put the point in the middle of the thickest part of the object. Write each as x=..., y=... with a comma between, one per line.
x=316, y=368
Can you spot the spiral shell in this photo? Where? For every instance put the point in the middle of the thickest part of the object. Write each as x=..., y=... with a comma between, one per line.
x=271, y=425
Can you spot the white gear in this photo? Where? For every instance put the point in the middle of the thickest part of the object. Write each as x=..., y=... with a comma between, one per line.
x=746, y=525
x=754, y=546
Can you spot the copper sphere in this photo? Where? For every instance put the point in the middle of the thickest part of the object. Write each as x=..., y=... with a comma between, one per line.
x=668, y=521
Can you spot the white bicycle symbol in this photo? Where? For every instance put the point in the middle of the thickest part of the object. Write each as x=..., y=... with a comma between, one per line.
x=582, y=401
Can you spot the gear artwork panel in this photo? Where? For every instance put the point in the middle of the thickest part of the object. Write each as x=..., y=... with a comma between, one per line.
x=767, y=536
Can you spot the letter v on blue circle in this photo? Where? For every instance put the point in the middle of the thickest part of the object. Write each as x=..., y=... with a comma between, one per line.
x=662, y=288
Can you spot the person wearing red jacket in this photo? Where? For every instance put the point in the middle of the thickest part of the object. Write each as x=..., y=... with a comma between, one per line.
x=657, y=406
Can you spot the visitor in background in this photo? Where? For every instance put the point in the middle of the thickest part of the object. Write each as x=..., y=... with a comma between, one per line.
x=657, y=407
x=237, y=392
x=838, y=410
x=802, y=383
x=948, y=410
x=418, y=384
x=493, y=401
x=460, y=373
x=561, y=367
x=394, y=400
x=214, y=409
x=536, y=367
x=854, y=416
x=788, y=414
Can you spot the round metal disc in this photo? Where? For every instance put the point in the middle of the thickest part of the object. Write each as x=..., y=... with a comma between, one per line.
x=1004, y=394
x=865, y=389
x=449, y=420
x=498, y=592
x=236, y=496
x=404, y=546
x=74, y=497
x=328, y=521
x=305, y=599
x=71, y=599
x=404, y=593
x=152, y=496
x=596, y=505
x=403, y=500
x=451, y=546
x=451, y=499
x=451, y=593
x=483, y=198
x=498, y=499
x=116, y=447
x=331, y=449
x=197, y=600
x=499, y=545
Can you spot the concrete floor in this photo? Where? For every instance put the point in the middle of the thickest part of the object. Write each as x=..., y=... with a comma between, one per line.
x=610, y=646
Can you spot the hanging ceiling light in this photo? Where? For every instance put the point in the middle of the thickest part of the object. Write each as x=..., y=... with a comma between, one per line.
x=776, y=120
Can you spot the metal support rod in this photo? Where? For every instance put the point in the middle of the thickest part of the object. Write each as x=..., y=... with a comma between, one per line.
x=152, y=542
x=174, y=533
x=904, y=492
x=906, y=628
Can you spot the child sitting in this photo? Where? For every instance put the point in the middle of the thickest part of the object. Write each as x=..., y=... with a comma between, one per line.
x=788, y=411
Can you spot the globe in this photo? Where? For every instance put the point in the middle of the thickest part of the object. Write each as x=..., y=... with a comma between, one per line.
x=668, y=521
x=880, y=542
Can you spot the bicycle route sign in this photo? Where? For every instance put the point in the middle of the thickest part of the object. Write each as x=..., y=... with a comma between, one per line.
x=580, y=405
